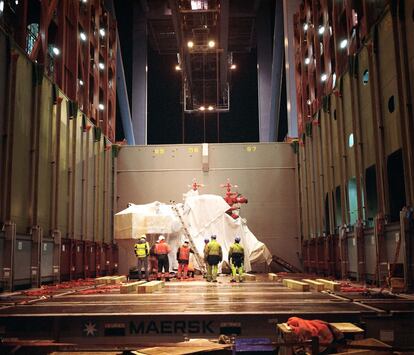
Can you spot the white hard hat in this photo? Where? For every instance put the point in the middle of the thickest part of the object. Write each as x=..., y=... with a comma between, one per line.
x=161, y=237
x=143, y=236
x=186, y=241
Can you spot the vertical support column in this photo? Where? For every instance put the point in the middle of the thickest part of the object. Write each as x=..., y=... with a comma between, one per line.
x=7, y=155
x=264, y=67
x=37, y=239
x=343, y=251
x=54, y=205
x=139, y=80
x=57, y=241
x=289, y=8
x=36, y=231
x=277, y=73
x=8, y=256
x=403, y=89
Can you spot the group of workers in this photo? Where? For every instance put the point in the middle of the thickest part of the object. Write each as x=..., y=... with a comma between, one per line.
x=213, y=255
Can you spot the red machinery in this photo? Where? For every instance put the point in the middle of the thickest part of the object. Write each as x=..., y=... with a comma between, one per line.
x=233, y=199
x=194, y=186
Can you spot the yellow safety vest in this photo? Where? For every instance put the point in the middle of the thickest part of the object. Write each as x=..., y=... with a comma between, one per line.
x=141, y=250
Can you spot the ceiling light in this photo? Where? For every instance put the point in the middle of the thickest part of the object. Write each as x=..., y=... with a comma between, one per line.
x=210, y=108
x=101, y=66
x=211, y=43
x=324, y=77
x=233, y=66
x=16, y=2
x=55, y=50
x=202, y=108
x=83, y=36
x=307, y=60
x=102, y=32
x=80, y=82
x=190, y=44
x=101, y=107
x=321, y=30
x=305, y=26
x=177, y=68
x=1, y=6
x=343, y=44
x=84, y=1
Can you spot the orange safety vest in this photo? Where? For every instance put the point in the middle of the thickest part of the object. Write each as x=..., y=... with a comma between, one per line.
x=162, y=248
x=184, y=253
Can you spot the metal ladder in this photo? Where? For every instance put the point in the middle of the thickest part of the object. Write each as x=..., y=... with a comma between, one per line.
x=199, y=259
x=278, y=260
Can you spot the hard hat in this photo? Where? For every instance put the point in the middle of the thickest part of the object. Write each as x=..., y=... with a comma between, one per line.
x=206, y=240
x=213, y=236
x=161, y=237
x=186, y=241
x=237, y=239
x=143, y=236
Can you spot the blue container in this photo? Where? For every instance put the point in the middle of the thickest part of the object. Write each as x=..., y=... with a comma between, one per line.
x=247, y=346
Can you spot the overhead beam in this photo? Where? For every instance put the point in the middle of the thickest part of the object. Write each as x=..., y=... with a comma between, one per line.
x=277, y=72
x=185, y=57
x=224, y=42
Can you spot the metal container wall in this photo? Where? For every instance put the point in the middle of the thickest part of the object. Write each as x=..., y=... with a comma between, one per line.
x=56, y=181
x=351, y=121
x=46, y=271
x=78, y=257
x=90, y=259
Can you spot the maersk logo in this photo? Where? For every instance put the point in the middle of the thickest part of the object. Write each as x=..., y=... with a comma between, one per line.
x=171, y=327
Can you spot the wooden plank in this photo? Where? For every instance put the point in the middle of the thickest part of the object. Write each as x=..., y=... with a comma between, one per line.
x=315, y=285
x=272, y=276
x=249, y=277
x=130, y=287
x=102, y=280
x=117, y=279
x=195, y=346
x=296, y=285
x=150, y=287
x=368, y=342
x=330, y=285
x=348, y=328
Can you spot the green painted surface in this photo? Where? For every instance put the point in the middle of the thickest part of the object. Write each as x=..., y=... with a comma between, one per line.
x=90, y=187
x=45, y=167
x=21, y=146
x=78, y=169
x=63, y=200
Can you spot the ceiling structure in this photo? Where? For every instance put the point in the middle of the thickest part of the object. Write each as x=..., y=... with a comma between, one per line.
x=204, y=34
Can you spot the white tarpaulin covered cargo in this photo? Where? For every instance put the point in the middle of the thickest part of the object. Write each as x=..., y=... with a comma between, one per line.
x=203, y=215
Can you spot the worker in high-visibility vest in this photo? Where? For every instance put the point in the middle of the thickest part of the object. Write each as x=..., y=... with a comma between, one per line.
x=161, y=250
x=142, y=250
x=236, y=260
x=214, y=255
x=206, y=241
x=183, y=258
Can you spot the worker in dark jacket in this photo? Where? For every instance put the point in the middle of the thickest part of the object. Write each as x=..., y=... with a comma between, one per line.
x=161, y=250
x=214, y=255
x=236, y=260
x=142, y=250
x=183, y=258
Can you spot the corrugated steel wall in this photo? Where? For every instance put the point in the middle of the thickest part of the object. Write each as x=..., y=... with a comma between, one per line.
x=57, y=190
x=356, y=148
